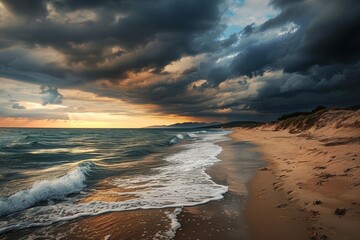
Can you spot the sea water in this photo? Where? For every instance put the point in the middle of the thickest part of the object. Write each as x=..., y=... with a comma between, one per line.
x=52, y=175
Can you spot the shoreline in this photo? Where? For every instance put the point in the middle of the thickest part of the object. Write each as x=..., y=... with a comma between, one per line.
x=306, y=180
x=224, y=219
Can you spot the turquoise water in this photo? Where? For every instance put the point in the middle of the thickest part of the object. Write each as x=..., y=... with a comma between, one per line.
x=52, y=175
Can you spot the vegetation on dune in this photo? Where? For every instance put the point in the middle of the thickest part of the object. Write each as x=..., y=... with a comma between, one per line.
x=300, y=121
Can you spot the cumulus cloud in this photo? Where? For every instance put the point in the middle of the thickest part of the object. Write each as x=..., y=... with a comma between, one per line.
x=50, y=95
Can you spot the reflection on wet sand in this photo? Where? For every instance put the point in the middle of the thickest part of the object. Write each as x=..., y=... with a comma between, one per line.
x=223, y=219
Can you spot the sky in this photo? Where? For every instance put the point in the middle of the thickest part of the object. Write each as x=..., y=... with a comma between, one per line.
x=138, y=63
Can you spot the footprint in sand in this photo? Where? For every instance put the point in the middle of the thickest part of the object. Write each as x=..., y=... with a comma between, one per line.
x=283, y=176
x=283, y=205
x=300, y=185
x=303, y=161
x=320, y=183
x=319, y=168
x=317, y=202
x=301, y=209
x=314, y=213
x=278, y=184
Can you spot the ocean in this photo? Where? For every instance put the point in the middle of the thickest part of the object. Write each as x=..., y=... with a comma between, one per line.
x=49, y=176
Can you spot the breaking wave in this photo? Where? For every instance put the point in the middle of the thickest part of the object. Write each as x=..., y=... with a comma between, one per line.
x=45, y=190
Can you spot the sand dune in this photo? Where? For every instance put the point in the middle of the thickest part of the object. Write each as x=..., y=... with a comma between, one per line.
x=311, y=186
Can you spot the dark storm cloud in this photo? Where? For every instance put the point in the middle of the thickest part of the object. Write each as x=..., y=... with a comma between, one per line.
x=320, y=58
x=311, y=48
x=158, y=32
x=328, y=33
x=248, y=29
x=229, y=41
x=22, y=8
x=256, y=59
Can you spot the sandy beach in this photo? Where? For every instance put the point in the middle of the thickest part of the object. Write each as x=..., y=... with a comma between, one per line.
x=311, y=186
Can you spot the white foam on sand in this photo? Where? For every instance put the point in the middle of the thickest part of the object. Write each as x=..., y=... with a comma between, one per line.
x=181, y=182
x=107, y=237
x=174, y=225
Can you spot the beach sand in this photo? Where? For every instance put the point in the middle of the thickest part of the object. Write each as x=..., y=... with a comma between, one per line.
x=309, y=175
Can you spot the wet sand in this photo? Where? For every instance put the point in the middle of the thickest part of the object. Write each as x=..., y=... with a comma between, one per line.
x=222, y=219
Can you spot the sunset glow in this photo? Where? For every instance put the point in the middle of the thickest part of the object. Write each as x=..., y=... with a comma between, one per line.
x=79, y=109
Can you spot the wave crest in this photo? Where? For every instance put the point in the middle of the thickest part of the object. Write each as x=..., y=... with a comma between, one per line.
x=46, y=190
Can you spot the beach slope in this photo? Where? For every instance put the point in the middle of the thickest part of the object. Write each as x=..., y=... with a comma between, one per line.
x=311, y=185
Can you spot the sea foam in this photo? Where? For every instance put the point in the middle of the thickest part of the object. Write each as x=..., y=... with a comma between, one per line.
x=192, y=135
x=183, y=182
x=176, y=139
